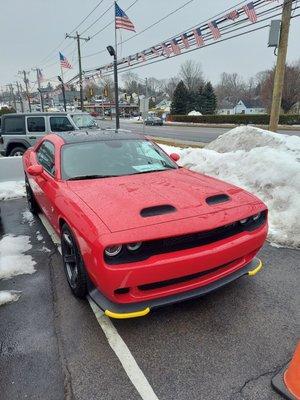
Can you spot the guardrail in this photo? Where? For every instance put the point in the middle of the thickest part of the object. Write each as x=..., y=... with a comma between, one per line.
x=11, y=169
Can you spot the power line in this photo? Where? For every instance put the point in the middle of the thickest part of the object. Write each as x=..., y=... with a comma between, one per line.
x=97, y=19
x=146, y=29
x=112, y=21
x=76, y=27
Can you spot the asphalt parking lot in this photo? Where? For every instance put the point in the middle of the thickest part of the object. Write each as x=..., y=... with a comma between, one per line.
x=225, y=346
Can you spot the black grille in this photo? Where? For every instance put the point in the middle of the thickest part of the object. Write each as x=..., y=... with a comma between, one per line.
x=218, y=198
x=157, y=210
x=184, y=242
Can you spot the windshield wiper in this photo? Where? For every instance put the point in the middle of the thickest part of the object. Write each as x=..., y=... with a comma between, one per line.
x=152, y=170
x=77, y=178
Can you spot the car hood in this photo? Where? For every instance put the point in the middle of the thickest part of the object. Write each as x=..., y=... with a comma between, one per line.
x=125, y=202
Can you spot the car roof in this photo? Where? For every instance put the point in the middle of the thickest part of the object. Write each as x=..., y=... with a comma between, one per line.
x=100, y=135
x=37, y=114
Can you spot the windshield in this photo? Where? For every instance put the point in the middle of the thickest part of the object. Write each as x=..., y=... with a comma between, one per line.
x=98, y=159
x=84, y=121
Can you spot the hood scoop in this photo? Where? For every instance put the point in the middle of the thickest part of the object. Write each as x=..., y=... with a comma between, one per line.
x=217, y=199
x=157, y=210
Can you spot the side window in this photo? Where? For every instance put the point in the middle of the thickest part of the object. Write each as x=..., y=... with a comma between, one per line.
x=14, y=126
x=36, y=124
x=45, y=156
x=60, y=124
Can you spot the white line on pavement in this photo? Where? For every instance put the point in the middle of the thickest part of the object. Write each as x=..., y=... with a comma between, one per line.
x=115, y=341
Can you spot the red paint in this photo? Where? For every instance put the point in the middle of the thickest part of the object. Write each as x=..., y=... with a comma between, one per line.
x=105, y=212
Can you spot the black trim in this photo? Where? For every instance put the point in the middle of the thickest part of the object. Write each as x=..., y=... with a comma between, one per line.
x=105, y=304
x=216, y=199
x=157, y=210
x=183, y=242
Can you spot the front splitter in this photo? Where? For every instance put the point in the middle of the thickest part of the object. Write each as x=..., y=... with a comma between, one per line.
x=140, y=309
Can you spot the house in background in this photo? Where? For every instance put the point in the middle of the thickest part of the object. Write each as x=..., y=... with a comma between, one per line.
x=243, y=107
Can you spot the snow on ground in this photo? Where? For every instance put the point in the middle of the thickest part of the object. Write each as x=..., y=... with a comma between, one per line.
x=12, y=190
x=14, y=261
x=262, y=162
x=39, y=236
x=28, y=217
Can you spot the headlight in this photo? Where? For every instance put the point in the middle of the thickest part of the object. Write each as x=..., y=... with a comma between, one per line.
x=113, y=251
x=256, y=217
x=134, y=246
x=244, y=221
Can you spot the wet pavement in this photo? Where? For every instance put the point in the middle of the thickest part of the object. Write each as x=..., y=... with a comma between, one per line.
x=225, y=346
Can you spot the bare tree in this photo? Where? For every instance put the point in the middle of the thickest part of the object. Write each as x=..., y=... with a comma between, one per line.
x=191, y=75
x=231, y=88
x=170, y=86
x=131, y=82
x=291, y=87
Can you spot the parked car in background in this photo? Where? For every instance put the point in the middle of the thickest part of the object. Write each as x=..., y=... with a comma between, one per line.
x=138, y=231
x=20, y=131
x=153, y=121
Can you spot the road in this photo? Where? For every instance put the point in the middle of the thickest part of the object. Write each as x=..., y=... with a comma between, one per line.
x=225, y=346
x=185, y=133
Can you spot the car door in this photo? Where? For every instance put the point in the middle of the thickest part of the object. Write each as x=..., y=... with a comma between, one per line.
x=46, y=184
x=35, y=128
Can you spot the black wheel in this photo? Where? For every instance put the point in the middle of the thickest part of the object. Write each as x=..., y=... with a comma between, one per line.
x=73, y=263
x=17, y=151
x=31, y=201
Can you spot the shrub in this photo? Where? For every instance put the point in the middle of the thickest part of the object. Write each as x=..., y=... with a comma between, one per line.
x=238, y=119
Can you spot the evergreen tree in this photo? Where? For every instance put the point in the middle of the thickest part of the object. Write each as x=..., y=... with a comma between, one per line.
x=209, y=99
x=192, y=101
x=180, y=100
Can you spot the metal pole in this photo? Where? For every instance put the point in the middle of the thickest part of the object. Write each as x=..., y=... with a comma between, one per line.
x=27, y=91
x=13, y=96
x=146, y=100
x=280, y=66
x=116, y=79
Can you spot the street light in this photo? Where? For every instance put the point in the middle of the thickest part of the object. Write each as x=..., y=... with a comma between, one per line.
x=63, y=91
x=112, y=53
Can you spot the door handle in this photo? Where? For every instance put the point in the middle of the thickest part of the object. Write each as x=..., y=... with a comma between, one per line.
x=32, y=137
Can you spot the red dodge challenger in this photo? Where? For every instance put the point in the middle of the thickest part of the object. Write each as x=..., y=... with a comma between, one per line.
x=138, y=231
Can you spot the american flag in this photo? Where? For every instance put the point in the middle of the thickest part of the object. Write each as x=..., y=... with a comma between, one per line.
x=214, y=29
x=234, y=14
x=64, y=63
x=185, y=40
x=175, y=47
x=198, y=37
x=155, y=51
x=122, y=21
x=250, y=12
x=165, y=50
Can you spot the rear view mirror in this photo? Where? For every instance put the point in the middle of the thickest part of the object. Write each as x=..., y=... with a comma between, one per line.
x=35, y=170
x=174, y=156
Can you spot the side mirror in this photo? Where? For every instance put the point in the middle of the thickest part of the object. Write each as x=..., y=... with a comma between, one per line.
x=174, y=156
x=35, y=170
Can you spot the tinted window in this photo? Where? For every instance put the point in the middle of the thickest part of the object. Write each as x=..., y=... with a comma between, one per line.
x=45, y=156
x=60, y=124
x=14, y=125
x=36, y=124
x=113, y=158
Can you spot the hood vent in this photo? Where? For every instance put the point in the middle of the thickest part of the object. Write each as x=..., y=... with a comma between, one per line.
x=157, y=210
x=216, y=199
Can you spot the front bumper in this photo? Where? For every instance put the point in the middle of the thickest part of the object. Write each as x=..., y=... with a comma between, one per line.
x=132, y=310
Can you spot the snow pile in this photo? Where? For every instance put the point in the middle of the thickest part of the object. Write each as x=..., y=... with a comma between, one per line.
x=28, y=217
x=264, y=163
x=194, y=113
x=12, y=190
x=14, y=262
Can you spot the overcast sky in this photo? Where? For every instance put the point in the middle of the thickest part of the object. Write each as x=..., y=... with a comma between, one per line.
x=31, y=29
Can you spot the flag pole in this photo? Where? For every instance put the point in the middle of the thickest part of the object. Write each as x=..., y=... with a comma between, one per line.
x=116, y=74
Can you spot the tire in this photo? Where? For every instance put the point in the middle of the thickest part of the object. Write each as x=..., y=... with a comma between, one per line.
x=73, y=263
x=17, y=151
x=31, y=201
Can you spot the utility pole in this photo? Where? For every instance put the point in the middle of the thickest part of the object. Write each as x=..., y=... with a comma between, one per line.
x=24, y=73
x=20, y=96
x=280, y=66
x=38, y=78
x=78, y=38
x=13, y=96
x=63, y=91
